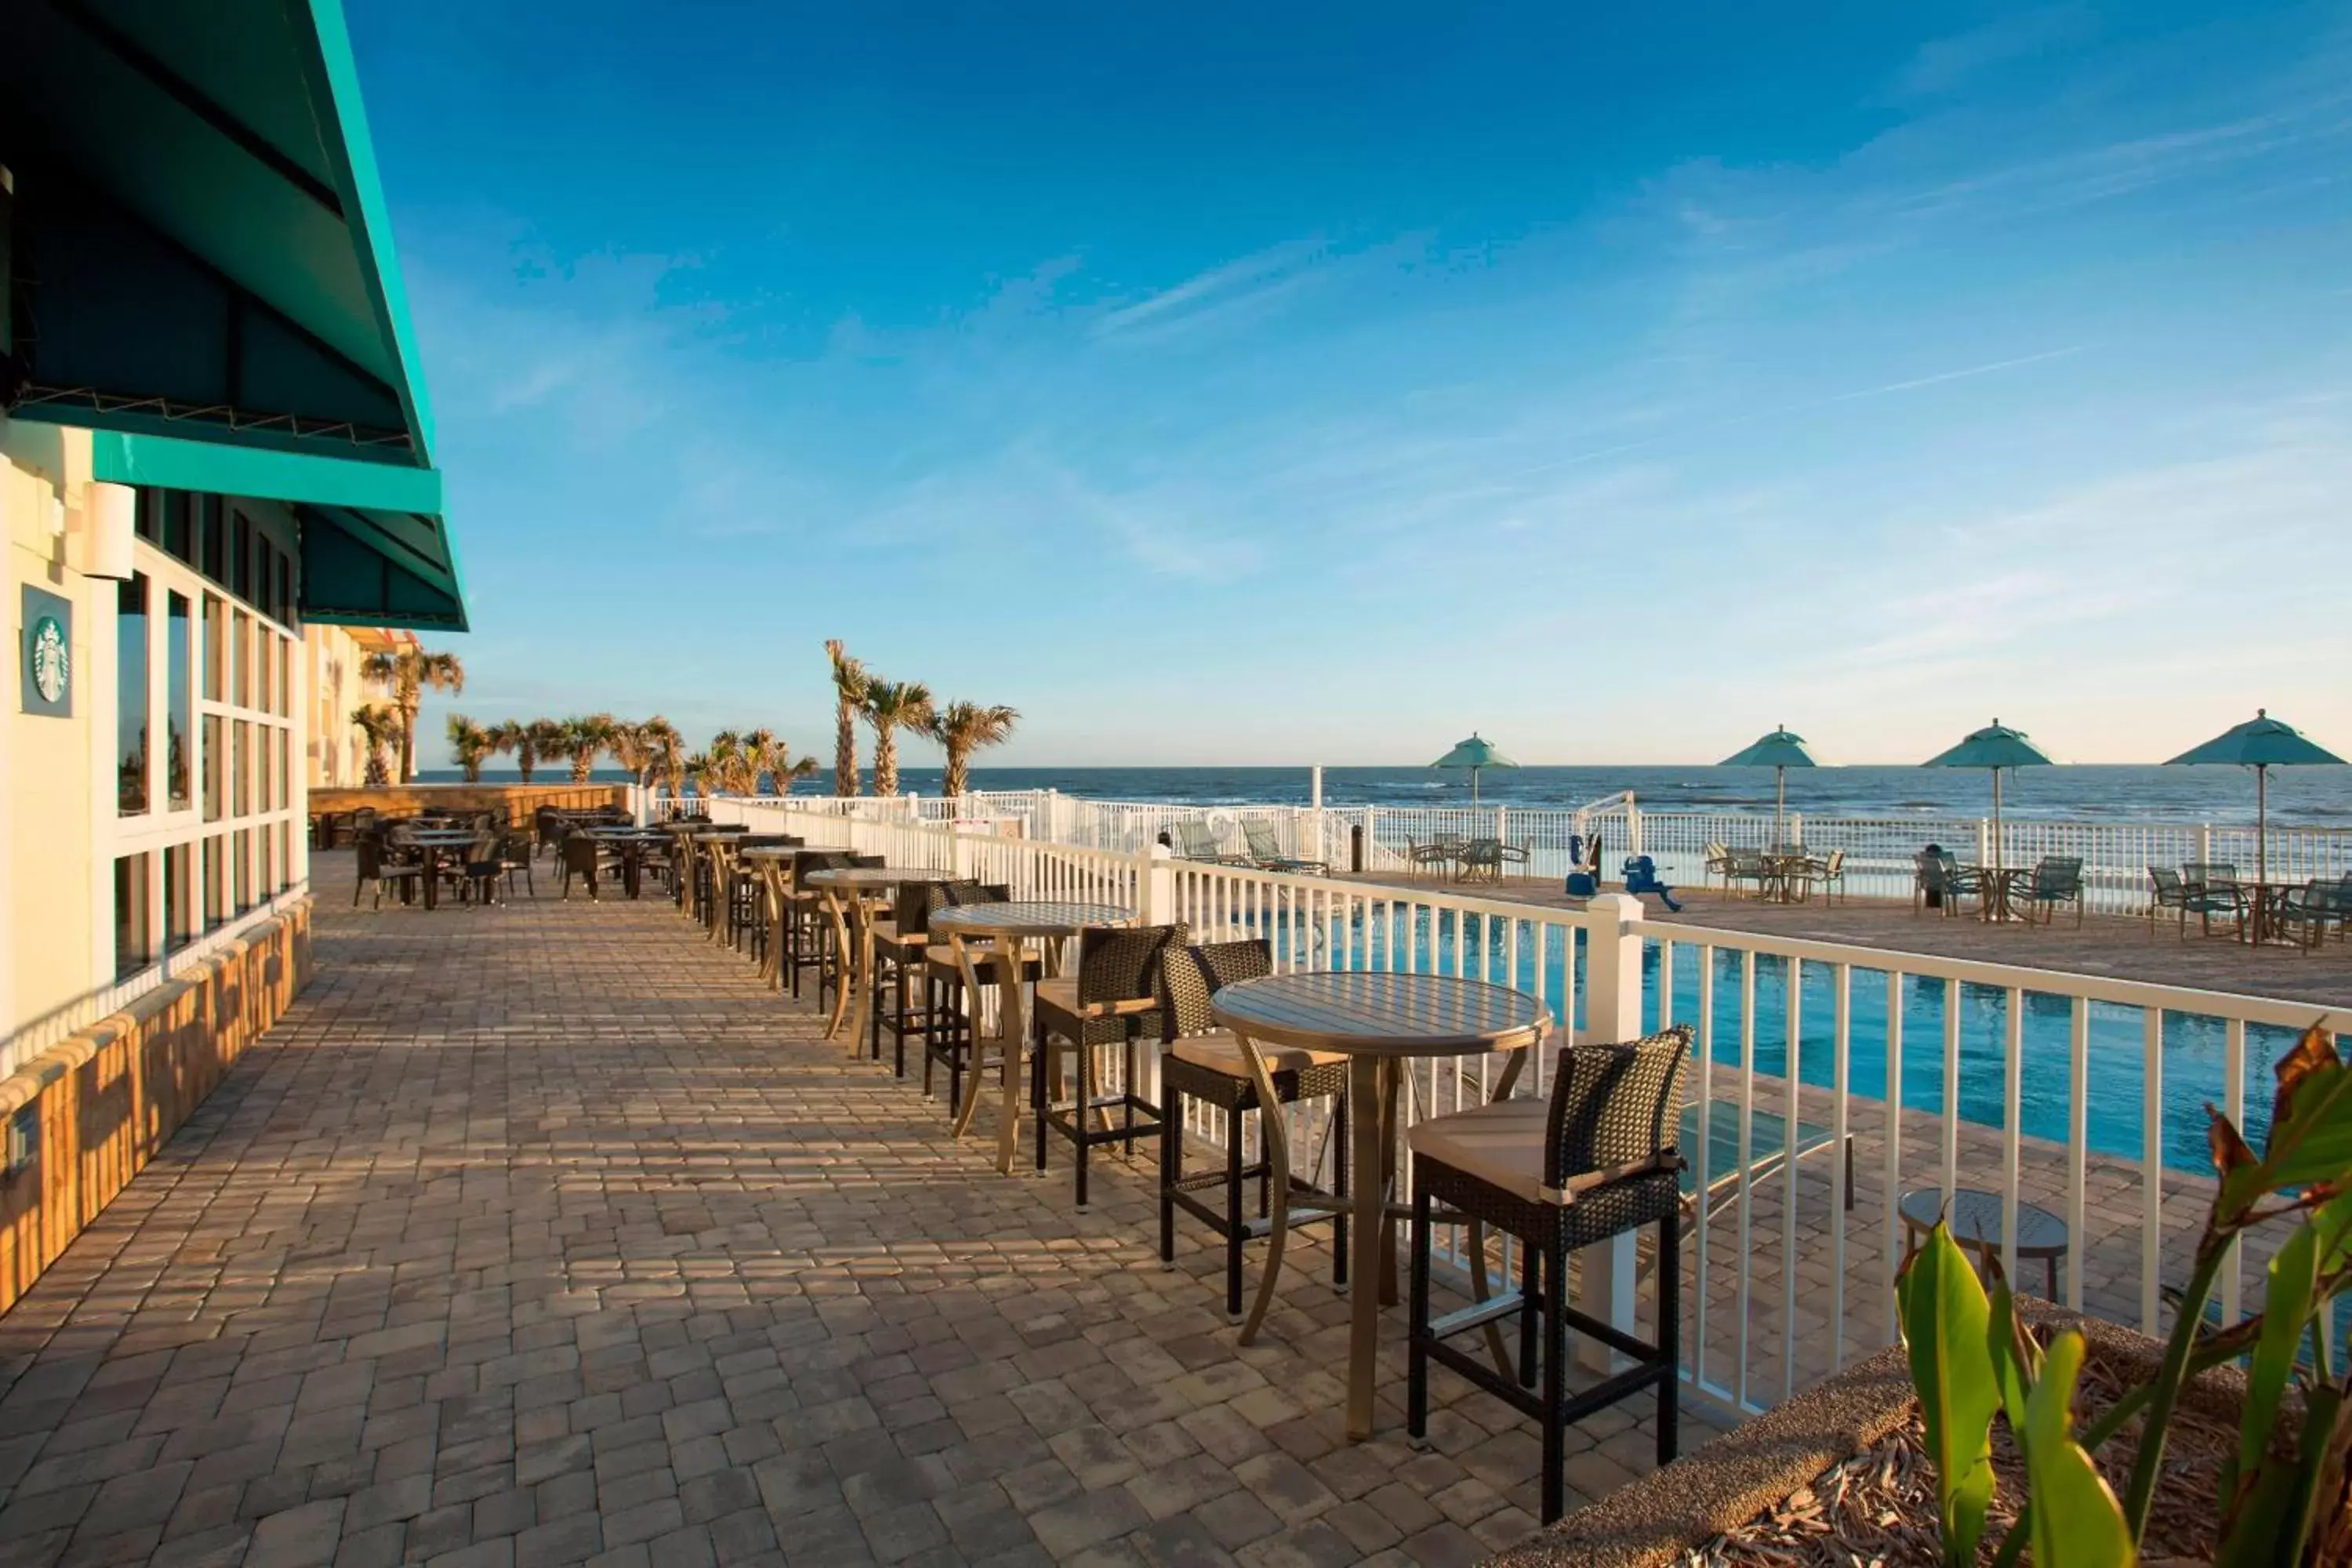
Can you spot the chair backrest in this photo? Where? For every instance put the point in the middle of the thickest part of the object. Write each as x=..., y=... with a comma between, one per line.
x=2205, y=872
x=370, y=851
x=1714, y=850
x=1746, y=862
x=1483, y=852
x=1936, y=871
x=1616, y=1108
x=937, y=896
x=578, y=853
x=1834, y=864
x=2058, y=877
x=911, y=908
x=823, y=861
x=1193, y=839
x=1123, y=963
x=1189, y=977
x=1259, y=836
x=2169, y=886
x=363, y=819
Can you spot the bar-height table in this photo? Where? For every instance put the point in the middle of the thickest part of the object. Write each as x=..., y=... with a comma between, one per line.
x=1379, y=1021
x=633, y=843
x=859, y=883
x=775, y=862
x=433, y=841
x=1010, y=927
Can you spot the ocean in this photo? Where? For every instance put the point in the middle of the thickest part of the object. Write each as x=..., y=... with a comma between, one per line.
x=2317, y=797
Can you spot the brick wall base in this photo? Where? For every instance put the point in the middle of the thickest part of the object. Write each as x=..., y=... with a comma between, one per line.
x=519, y=801
x=105, y=1099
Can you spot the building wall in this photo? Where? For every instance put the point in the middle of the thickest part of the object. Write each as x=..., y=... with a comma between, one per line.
x=117, y=878
x=336, y=755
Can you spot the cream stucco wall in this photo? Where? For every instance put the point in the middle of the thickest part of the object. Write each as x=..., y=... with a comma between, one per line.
x=337, y=757
x=56, y=932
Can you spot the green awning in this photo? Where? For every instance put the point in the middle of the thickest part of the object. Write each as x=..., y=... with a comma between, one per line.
x=201, y=264
x=200, y=237
x=375, y=549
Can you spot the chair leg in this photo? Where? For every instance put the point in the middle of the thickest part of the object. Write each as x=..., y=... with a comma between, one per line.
x=1085, y=1054
x=1530, y=1283
x=1416, y=1378
x=1670, y=1330
x=1555, y=1378
x=1339, y=1147
x=1233, y=1231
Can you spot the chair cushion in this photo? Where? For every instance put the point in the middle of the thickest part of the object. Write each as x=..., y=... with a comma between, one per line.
x=1502, y=1145
x=1060, y=994
x=1220, y=1052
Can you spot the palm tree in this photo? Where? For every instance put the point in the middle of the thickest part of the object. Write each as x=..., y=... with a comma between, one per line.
x=379, y=722
x=405, y=675
x=542, y=741
x=726, y=766
x=696, y=770
x=633, y=748
x=849, y=683
x=963, y=728
x=514, y=736
x=584, y=737
x=668, y=750
x=892, y=706
x=471, y=744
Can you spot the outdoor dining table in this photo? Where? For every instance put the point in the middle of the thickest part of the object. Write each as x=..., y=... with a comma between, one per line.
x=2263, y=901
x=1379, y=1021
x=1996, y=890
x=1012, y=927
x=773, y=968
x=432, y=842
x=846, y=889
x=633, y=843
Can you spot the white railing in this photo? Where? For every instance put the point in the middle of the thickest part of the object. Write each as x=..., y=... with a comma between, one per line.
x=2075, y=1093
x=1880, y=852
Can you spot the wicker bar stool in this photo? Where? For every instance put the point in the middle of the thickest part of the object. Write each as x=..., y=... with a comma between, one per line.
x=1199, y=1061
x=1595, y=1160
x=899, y=945
x=948, y=1043
x=1114, y=999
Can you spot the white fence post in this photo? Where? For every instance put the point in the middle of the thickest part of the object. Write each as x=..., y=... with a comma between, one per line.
x=1613, y=1012
x=1155, y=886
x=1797, y=828
x=1633, y=828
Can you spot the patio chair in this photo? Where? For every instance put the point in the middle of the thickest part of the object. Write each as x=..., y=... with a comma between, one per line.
x=1266, y=855
x=583, y=857
x=2168, y=891
x=1112, y=1001
x=1199, y=1061
x=1938, y=881
x=482, y=868
x=2304, y=913
x=1484, y=859
x=1828, y=871
x=1642, y=876
x=1717, y=863
x=2217, y=881
x=378, y=865
x=948, y=1042
x=1597, y=1159
x=1434, y=856
x=1746, y=866
x=2056, y=880
x=515, y=854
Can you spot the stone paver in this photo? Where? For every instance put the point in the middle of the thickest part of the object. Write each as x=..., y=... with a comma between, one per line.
x=543, y=1234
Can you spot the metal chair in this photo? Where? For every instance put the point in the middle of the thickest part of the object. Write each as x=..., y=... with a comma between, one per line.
x=1595, y=1160
x=2056, y=880
x=1266, y=853
x=377, y=865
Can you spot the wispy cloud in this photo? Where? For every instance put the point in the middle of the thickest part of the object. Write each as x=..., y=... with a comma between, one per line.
x=1945, y=64
x=1207, y=299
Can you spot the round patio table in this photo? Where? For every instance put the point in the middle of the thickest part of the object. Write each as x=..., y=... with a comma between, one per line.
x=774, y=861
x=1975, y=1220
x=633, y=843
x=1997, y=888
x=434, y=842
x=1012, y=927
x=1379, y=1022
x=846, y=889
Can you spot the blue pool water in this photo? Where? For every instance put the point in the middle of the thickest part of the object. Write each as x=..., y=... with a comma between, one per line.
x=2193, y=1065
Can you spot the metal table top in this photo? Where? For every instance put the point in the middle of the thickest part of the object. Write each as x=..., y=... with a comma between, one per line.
x=1384, y=1014
x=1035, y=917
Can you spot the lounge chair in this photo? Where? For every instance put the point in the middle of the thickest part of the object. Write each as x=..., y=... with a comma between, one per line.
x=1266, y=855
x=2056, y=880
x=1642, y=876
x=1196, y=841
x=1717, y=864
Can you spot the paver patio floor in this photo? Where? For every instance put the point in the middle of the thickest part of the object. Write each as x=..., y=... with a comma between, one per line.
x=544, y=1234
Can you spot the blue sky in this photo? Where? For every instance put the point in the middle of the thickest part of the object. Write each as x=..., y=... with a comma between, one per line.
x=1314, y=384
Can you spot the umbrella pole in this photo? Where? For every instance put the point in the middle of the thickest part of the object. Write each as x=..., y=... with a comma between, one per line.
x=2262, y=822
x=1996, y=819
x=1780, y=805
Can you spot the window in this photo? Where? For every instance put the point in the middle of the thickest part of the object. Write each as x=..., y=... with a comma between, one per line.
x=131, y=719
x=284, y=856
x=147, y=517
x=179, y=911
x=240, y=773
x=241, y=563
x=180, y=704
x=179, y=525
x=215, y=759
x=215, y=892
x=261, y=666
x=134, y=944
x=216, y=650
x=286, y=589
x=241, y=865
x=240, y=674
x=215, y=541
x=286, y=677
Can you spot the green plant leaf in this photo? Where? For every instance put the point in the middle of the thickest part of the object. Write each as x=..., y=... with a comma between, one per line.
x=2286, y=1309
x=2077, y=1522
x=2276, y=1515
x=2310, y=1140
x=1944, y=1321
x=2016, y=1357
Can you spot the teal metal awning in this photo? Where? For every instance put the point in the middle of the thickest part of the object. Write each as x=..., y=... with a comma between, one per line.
x=201, y=261
x=375, y=549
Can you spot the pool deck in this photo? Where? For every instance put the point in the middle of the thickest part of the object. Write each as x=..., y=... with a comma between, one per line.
x=2106, y=945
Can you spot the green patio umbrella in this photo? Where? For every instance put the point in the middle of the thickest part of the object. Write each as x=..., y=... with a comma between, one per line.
x=1781, y=750
x=1474, y=753
x=1996, y=746
x=2261, y=743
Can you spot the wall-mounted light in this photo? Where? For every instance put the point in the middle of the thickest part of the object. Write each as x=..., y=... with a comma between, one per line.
x=109, y=517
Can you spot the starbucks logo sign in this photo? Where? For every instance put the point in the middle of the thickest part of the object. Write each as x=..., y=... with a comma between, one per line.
x=45, y=654
x=52, y=665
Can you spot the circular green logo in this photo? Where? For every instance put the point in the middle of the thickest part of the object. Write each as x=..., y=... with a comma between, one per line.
x=52, y=665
